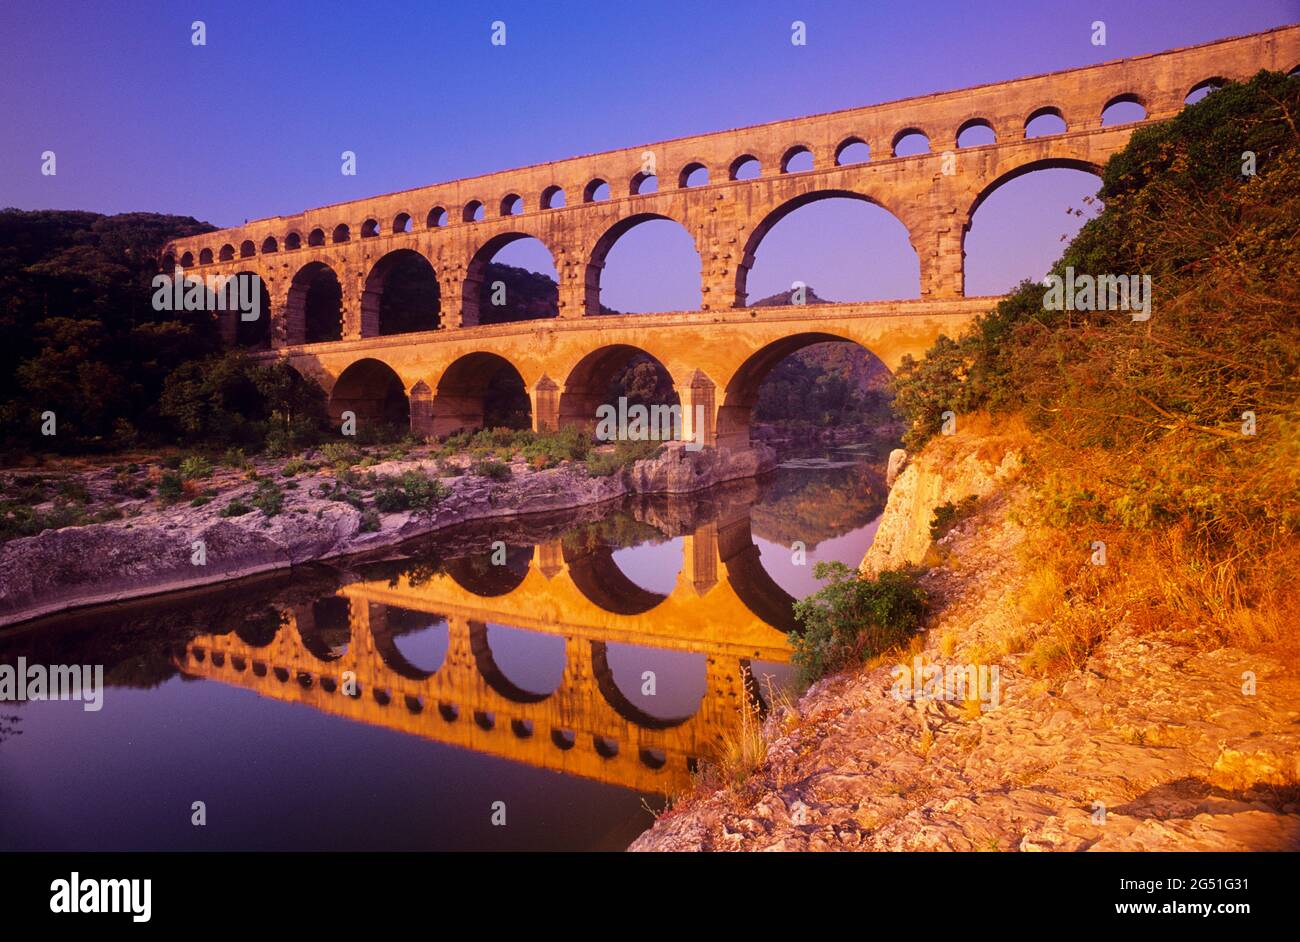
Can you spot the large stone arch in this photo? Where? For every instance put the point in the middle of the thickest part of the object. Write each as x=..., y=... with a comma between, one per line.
x=472, y=311
x=387, y=624
x=480, y=575
x=314, y=306
x=740, y=393
x=475, y=389
x=600, y=250
x=588, y=381
x=750, y=580
x=602, y=583
x=606, y=683
x=325, y=627
x=372, y=390
x=400, y=296
x=1004, y=175
x=492, y=673
x=785, y=208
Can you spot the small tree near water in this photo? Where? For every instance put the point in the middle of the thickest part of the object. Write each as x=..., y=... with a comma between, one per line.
x=851, y=619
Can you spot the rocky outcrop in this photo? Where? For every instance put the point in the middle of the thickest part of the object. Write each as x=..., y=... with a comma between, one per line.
x=897, y=461
x=679, y=470
x=948, y=471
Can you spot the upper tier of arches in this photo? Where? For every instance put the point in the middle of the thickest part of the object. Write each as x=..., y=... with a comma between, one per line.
x=755, y=154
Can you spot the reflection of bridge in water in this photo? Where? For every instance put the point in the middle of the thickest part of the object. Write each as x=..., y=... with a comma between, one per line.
x=723, y=606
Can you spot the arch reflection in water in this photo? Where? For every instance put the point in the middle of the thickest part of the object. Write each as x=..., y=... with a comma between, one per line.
x=543, y=659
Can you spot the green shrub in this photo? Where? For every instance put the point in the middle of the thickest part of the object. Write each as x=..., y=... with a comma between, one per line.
x=948, y=514
x=492, y=469
x=195, y=467
x=624, y=454
x=341, y=454
x=235, y=458
x=547, y=449
x=268, y=498
x=236, y=508
x=370, y=522
x=296, y=466
x=171, y=487
x=851, y=619
x=339, y=493
x=171, y=462
x=424, y=491
x=18, y=520
x=72, y=488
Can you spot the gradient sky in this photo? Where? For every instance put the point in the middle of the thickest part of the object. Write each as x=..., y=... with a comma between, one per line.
x=252, y=124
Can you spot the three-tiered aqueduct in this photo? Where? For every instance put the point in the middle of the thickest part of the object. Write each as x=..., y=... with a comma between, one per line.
x=716, y=356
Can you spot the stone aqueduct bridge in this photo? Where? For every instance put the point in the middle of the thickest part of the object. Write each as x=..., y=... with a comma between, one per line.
x=716, y=356
x=720, y=607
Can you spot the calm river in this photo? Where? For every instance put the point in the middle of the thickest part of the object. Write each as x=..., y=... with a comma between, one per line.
x=541, y=683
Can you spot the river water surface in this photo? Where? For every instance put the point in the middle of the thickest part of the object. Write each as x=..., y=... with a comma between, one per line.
x=539, y=683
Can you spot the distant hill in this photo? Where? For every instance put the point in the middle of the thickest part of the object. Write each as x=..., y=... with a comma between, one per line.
x=528, y=295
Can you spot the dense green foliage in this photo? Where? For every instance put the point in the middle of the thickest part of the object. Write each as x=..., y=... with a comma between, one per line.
x=82, y=340
x=851, y=619
x=78, y=333
x=226, y=399
x=624, y=454
x=412, y=490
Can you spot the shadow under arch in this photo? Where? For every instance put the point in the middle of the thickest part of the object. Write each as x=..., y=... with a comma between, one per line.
x=495, y=677
x=472, y=310
x=741, y=391
x=260, y=630
x=624, y=707
x=314, y=309
x=756, y=588
x=760, y=231
x=401, y=295
x=603, y=584
x=600, y=254
x=325, y=627
x=254, y=334
x=372, y=390
x=479, y=390
x=480, y=576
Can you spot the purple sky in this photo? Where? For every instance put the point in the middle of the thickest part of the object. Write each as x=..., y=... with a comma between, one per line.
x=252, y=124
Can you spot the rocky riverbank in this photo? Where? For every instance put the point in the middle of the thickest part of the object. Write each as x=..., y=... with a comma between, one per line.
x=155, y=549
x=1153, y=743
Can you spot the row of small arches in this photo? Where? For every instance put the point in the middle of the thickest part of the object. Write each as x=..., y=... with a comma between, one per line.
x=974, y=132
x=563, y=739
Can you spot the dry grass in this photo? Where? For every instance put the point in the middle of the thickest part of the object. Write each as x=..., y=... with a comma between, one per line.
x=1043, y=593
x=739, y=753
x=1239, y=601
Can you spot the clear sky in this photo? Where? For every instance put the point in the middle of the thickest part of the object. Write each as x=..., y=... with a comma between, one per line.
x=253, y=123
